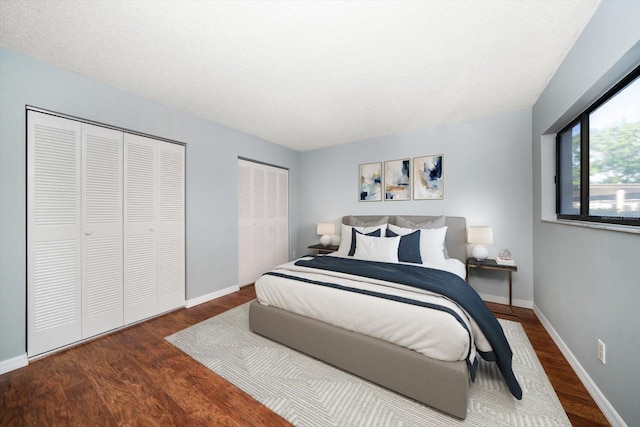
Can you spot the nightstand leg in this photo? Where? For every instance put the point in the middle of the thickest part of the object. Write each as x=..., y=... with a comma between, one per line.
x=510, y=304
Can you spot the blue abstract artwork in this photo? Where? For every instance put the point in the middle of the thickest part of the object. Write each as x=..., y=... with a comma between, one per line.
x=397, y=180
x=428, y=180
x=370, y=182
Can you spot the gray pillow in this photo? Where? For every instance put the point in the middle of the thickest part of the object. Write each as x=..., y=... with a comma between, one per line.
x=431, y=222
x=355, y=222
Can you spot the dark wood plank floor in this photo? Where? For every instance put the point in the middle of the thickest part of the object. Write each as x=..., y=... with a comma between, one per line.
x=577, y=402
x=134, y=377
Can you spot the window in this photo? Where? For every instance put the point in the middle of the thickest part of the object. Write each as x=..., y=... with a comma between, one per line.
x=598, y=159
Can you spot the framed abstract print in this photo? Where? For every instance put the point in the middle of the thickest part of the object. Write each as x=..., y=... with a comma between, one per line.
x=397, y=179
x=428, y=180
x=370, y=182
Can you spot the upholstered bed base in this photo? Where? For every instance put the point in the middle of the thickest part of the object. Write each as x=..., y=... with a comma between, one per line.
x=441, y=385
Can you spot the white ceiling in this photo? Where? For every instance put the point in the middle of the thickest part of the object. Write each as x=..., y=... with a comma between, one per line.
x=309, y=74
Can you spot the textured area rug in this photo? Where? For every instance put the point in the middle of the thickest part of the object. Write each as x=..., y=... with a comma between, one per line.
x=308, y=392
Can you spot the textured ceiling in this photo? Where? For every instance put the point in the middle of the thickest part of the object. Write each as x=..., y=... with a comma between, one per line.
x=309, y=74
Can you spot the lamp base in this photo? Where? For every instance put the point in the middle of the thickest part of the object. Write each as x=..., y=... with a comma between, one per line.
x=325, y=240
x=480, y=252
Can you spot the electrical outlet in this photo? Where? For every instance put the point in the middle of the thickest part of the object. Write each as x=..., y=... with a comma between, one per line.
x=602, y=352
x=293, y=254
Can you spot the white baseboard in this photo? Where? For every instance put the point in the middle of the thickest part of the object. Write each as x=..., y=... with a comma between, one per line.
x=21, y=361
x=13, y=363
x=607, y=409
x=213, y=295
x=505, y=301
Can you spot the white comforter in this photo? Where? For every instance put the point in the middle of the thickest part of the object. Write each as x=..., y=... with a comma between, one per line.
x=433, y=333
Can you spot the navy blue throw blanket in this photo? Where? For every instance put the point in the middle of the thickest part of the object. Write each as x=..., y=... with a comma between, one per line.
x=441, y=282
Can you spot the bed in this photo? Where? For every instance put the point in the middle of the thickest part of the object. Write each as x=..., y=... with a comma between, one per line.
x=360, y=310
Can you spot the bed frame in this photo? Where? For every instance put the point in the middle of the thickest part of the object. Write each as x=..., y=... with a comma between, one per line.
x=441, y=385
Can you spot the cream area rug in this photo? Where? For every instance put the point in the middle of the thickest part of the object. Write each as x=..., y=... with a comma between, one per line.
x=308, y=392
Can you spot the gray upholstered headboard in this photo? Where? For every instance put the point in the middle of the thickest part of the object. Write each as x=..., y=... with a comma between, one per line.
x=455, y=241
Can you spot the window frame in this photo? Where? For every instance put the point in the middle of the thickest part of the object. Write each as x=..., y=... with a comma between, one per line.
x=583, y=121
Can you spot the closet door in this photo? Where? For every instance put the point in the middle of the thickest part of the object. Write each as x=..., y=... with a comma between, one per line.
x=263, y=219
x=259, y=243
x=101, y=229
x=281, y=249
x=277, y=217
x=140, y=228
x=154, y=236
x=245, y=224
x=171, y=227
x=53, y=232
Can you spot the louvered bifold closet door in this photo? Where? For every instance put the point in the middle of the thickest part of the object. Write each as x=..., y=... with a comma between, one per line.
x=263, y=219
x=259, y=244
x=171, y=226
x=277, y=216
x=245, y=224
x=53, y=232
x=102, y=245
x=140, y=228
x=281, y=249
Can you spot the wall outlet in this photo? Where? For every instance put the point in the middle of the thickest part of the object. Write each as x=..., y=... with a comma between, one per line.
x=602, y=352
x=293, y=254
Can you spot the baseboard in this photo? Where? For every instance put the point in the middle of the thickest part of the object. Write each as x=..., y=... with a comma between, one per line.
x=505, y=301
x=607, y=409
x=213, y=295
x=13, y=363
x=21, y=361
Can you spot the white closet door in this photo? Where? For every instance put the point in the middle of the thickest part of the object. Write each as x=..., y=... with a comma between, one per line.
x=171, y=234
x=140, y=228
x=271, y=220
x=102, y=229
x=281, y=247
x=53, y=230
x=263, y=219
x=245, y=224
x=259, y=244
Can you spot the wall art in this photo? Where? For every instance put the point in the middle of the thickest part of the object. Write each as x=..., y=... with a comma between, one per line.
x=370, y=182
x=428, y=180
x=397, y=180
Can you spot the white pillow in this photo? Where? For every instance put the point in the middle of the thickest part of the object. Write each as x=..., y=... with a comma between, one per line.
x=345, y=242
x=431, y=242
x=383, y=249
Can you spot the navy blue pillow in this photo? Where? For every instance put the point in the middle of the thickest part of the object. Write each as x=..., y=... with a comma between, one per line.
x=353, y=239
x=409, y=248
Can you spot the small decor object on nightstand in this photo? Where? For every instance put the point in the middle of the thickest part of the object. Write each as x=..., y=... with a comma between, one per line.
x=504, y=258
x=480, y=236
x=326, y=229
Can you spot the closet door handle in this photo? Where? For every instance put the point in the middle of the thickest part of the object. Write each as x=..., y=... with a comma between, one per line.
x=88, y=233
x=152, y=229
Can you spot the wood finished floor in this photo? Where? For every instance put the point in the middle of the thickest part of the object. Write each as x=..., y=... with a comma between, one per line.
x=135, y=377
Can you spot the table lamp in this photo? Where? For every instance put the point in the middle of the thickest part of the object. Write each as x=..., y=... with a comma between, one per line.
x=480, y=236
x=326, y=229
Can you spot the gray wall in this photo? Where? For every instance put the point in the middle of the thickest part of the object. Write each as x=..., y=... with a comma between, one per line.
x=587, y=281
x=211, y=203
x=487, y=170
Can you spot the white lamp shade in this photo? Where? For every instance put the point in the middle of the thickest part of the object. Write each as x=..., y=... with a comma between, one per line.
x=480, y=235
x=326, y=228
